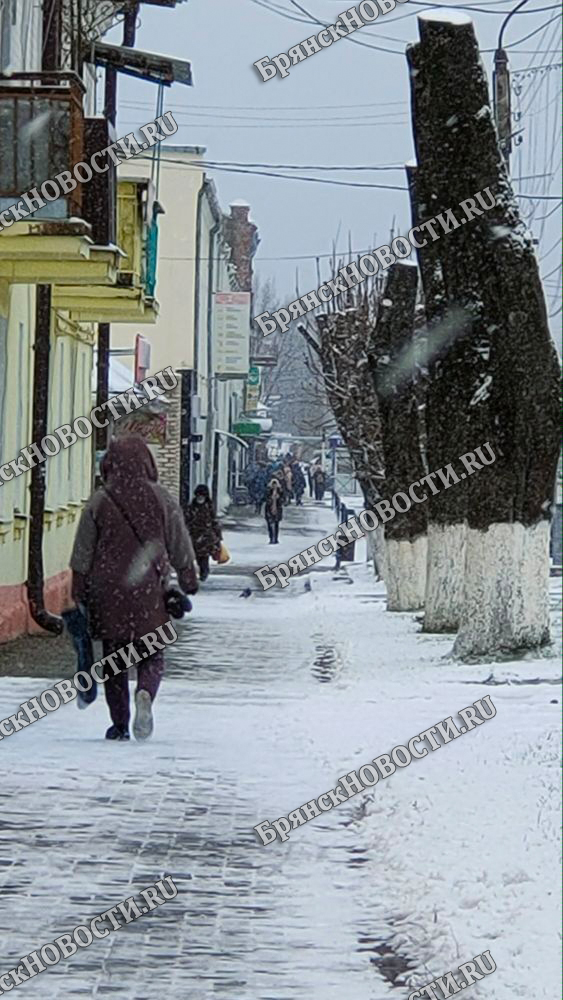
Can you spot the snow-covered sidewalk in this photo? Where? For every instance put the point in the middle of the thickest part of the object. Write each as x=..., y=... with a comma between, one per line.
x=269, y=699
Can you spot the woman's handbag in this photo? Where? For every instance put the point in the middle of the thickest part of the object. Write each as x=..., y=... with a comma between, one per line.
x=176, y=601
x=222, y=555
x=76, y=622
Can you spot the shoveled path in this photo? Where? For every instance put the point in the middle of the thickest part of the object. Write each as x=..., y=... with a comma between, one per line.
x=86, y=823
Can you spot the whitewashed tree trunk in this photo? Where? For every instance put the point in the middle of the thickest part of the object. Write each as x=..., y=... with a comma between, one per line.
x=506, y=604
x=509, y=374
x=406, y=573
x=448, y=390
x=395, y=385
x=376, y=551
x=445, y=570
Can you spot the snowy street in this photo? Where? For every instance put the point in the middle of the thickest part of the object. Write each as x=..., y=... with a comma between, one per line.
x=267, y=700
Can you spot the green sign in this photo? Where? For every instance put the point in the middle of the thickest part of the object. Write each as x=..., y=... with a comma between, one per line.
x=253, y=375
x=246, y=429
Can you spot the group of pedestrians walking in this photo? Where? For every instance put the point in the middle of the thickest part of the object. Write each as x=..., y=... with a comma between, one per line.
x=131, y=535
x=273, y=486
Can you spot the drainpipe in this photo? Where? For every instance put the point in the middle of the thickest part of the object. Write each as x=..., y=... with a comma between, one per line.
x=197, y=274
x=215, y=475
x=210, y=373
x=35, y=572
x=51, y=35
x=102, y=381
x=187, y=446
x=186, y=380
x=104, y=329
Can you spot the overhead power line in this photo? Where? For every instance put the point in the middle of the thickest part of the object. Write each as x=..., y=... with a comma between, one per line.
x=276, y=125
x=311, y=256
x=529, y=70
x=310, y=166
x=313, y=19
x=268, y=118
x=202, y=165
x=269, y=107
x=302, y=256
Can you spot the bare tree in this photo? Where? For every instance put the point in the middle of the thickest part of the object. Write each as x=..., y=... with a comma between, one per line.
x=338, y=343
x=293, y=387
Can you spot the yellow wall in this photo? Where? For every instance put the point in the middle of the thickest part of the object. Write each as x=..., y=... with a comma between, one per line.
x=17, y=305
x=69, y=474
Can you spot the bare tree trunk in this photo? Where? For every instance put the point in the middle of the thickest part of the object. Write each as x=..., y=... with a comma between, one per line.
x=443, y=414
x=490, y=273
x=392, y=366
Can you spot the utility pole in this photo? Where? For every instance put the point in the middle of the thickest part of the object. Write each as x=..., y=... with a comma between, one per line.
x=501, y=91
x=501, y=99
x=104, y=329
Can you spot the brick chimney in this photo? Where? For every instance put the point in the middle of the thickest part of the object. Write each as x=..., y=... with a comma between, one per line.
x=242, y=237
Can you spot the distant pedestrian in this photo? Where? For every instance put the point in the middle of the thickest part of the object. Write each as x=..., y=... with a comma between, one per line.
x=288, y=478
x=319, y=479
x=276, y=471
x=256, y=480
x=298, y=483
x=274, y=508
x=205, y=529
x=130, y=531
x=310, y=480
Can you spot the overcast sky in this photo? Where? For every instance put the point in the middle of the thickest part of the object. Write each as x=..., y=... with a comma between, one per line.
x=356, y=100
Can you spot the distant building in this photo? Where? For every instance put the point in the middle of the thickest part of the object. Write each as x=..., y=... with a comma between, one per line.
x=203, y=328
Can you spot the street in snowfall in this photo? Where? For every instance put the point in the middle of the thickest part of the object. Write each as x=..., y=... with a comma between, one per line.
x=268, y=700
x=280, y=499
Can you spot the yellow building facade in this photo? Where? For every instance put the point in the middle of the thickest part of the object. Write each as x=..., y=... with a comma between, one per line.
x=68, y=474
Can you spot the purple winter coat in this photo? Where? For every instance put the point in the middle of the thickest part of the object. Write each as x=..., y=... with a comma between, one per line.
x=121, y=581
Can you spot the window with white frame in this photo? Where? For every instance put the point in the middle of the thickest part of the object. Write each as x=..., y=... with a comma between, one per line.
x=81, y=456
x=56, y=466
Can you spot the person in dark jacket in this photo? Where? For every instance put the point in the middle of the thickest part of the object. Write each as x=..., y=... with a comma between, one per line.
x=319, y=480
x=298, y=483
x=274, y=507
x=204, y=528
x=256, y=479
x=130, y=531
x=310, y=480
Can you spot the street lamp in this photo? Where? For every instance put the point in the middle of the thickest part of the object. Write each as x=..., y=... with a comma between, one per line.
x=501, y=91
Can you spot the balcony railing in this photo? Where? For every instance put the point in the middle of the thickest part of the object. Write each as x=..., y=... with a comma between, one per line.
x=41, y=134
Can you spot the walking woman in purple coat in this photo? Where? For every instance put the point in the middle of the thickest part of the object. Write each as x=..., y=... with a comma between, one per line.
x=130, y=531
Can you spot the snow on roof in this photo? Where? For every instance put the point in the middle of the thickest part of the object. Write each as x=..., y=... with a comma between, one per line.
x=453, y=17
x=120, y=377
